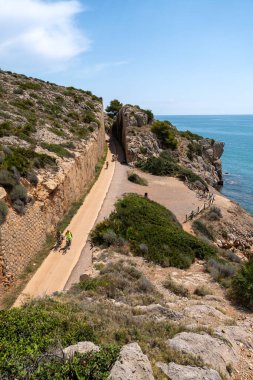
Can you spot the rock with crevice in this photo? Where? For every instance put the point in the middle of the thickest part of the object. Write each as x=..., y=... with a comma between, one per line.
x=180, y=372
x=160, y=310
x=214, y=351
x=131, y=365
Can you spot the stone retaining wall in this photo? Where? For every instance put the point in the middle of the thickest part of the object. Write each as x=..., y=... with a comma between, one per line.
x=22, y=237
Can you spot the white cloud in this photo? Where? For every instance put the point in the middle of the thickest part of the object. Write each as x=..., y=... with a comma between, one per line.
x=40, y=31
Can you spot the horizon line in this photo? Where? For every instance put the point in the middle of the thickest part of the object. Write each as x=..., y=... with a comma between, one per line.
x=207, y=114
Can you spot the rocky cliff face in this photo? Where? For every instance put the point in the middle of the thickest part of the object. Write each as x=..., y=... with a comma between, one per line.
x=202, y=156
x=132, y=130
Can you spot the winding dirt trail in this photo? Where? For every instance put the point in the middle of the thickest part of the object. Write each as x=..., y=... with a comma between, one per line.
x=56, y=269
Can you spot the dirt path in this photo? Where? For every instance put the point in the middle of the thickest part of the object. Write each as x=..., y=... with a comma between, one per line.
x=55, y=270
x=167, y=191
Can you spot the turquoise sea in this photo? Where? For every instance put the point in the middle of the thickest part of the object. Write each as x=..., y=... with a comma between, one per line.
x=236, y=131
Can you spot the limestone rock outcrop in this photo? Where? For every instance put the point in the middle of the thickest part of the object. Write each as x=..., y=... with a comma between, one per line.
x=133, y=132
x=207, y=162
x=180, y=372
x=211, y=350
x=80, y=347
x=132, y=364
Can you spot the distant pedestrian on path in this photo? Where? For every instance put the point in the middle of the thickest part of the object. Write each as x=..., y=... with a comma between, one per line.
x=106, y=164
x=59, y=240
x=68, y=237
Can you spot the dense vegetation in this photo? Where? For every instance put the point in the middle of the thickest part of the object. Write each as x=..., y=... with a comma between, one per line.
x=113, y=108
x=32, y=337
x=165, y=165
x=31, y=341
x=242, y=285
x=16, y=162
x=152, y=231
x=165, y=133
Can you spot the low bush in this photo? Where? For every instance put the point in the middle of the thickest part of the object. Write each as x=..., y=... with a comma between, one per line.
x=193, y=149
x=231, y=256
x=32, y=178
x=242, y=285
x=142, y=221
x=202, y=291
x=165, y=134
x=89, y=117
x=25, y=159
x=18, y=192
x=176, y=288
x=165, y=165
x=28, y=85
x=221, y=271
x=214, y=214
x=3, y=211
x=135, y=178
x=190, y=136
x=201, y=228
x=120, y=281
x=58, y=149
x=7, y=179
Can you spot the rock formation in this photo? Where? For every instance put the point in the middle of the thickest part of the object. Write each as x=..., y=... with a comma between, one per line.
x=133, y=130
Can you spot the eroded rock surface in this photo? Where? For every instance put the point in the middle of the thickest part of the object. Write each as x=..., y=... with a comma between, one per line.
x=180, y=372
x=213, y=351
x=132, y=365
x=81, y=348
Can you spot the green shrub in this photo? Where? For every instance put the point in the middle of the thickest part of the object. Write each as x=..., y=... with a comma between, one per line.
x=135, y=178
x=18, y=192
x=30, y=332
x=194, y=149
x=73, y=115
x=158, y=166
x=28, y=85
x=114, y=107
x=32, y=178
x=141, y=221
x=214, y=214
x=175, y=288
x=89, y=117
x=23, y=104
x=92, y=365
x=200, y=227
x=165, y=133
x=150, y=115
x=25, y=159
x=190, y=136
x=202, y=291
x=242, y=285
x=221, y=271
x=58, y=149
x=5, y=128
x=165, y=165
x=7, y=179
x=3, y=212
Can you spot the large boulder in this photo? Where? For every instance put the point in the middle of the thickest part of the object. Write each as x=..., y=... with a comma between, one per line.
x=216, y=352
x=80, y=347
x=131, y=365
x=180, y=372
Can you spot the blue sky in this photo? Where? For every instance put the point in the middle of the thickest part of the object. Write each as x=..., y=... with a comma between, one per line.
x=172, y=56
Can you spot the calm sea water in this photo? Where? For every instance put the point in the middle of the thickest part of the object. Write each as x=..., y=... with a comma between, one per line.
x=236, y=132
